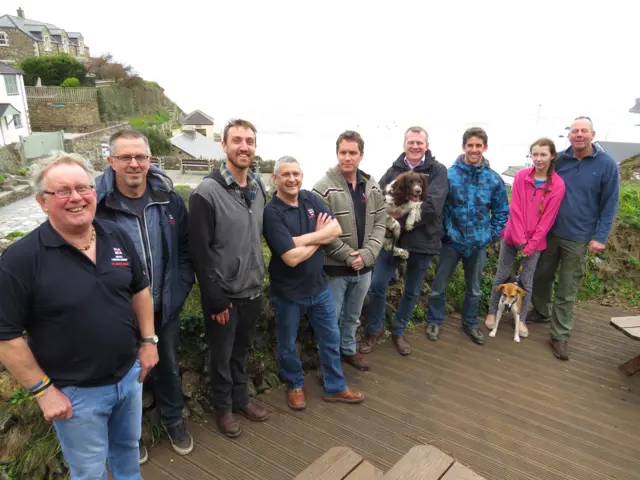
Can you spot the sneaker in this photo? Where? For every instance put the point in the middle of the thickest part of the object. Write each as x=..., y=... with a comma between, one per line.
x=433, y=332
x=144, y=455
x=181, y=440
x=474, y=333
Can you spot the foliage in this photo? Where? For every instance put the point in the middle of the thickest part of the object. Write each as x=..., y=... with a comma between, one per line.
x=158, y=118
x=70, y=82
x=14, y=235
x=52, y=69
x=158, y=140
x=185, y=192
x=154, y=84
x=2, y=179
x=104, y=67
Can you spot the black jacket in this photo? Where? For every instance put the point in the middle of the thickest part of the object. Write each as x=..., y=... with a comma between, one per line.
x=426, y=236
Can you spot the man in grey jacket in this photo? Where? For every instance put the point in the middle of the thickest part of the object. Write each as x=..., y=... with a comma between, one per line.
x=225, y=225
x=358, y=204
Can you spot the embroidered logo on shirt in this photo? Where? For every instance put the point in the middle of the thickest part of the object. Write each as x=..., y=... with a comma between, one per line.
x=119, y=260
x=171, y=220
x=311, y=212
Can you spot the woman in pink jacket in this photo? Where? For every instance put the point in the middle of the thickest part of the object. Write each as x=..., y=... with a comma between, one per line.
x=535, y=200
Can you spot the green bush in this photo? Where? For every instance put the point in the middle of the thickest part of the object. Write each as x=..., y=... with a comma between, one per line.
x=52, y=70
x=2, y=179
x=185, y=192
x=71, y=82
x=158, y=140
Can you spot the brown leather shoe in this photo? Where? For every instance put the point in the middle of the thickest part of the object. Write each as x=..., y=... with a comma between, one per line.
x=254, y=412
x=357, y=360
x=559, y=348
x=348, y=396
x=402, y=345
x=295, y=399
x=369, y=343
x=228, y=425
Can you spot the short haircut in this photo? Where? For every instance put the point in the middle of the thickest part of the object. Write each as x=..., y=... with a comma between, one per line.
x=417, y=129
x=350, y=136
x=127, y=134
x=43, y=167
x=237, y=123
x=281, y=160
x=475, y=132
x=588, y=119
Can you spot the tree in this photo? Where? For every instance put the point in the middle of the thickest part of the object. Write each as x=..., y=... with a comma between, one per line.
x=52, y=69
x=158, y=141
x=104, y=67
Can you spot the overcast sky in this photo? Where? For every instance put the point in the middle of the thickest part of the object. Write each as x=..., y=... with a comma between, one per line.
x=287, y=63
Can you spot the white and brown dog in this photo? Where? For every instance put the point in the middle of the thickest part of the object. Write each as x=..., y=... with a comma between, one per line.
x=511, y=301
x=403, y=196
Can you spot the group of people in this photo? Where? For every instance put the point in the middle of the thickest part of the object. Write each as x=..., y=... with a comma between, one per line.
x=91, y=298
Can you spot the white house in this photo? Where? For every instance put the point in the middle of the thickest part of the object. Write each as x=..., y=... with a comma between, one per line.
x=200, y=122
x=14, y=118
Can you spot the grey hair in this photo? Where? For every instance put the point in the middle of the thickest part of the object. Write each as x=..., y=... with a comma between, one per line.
x=281, y=160
x=127, y=134
x=40, y=169
x=417, y=129
x=582, y=117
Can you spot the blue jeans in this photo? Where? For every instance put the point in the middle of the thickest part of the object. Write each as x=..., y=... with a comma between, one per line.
x=349, y=294
x=105, y=425
x=322, y=317
x=447, y=262
x=386, y=264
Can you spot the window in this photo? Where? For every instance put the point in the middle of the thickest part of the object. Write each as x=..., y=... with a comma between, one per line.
x=65, y=44
x=47, y=43
x=4, y=39
x=17, y=121
x=11, y=84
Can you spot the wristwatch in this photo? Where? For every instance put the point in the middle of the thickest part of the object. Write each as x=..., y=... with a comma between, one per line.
x=153, y=340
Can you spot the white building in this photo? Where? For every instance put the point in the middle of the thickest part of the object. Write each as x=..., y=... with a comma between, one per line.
x=198, y=121
x=14, y=118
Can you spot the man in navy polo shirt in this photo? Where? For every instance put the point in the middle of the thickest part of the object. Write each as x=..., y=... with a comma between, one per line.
x=296, y=226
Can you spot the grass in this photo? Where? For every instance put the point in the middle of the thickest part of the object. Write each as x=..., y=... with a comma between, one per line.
x=158, y=118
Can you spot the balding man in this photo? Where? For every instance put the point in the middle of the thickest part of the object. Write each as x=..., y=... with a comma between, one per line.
x=583, y=225
x=76, y=286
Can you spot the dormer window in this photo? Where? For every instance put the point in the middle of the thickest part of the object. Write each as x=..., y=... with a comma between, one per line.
x=65, y=44
x=4, y=39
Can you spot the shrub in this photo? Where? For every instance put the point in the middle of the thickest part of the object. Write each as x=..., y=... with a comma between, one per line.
x=2, y=179
x=71, y=82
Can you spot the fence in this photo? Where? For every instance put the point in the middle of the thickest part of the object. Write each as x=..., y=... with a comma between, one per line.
x=62, y=95
x=40, y=144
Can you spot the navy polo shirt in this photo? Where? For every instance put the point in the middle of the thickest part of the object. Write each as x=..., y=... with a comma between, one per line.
x=282, y=222
x=78, y=316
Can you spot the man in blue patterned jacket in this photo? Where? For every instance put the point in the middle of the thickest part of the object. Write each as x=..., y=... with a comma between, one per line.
x=475, y=212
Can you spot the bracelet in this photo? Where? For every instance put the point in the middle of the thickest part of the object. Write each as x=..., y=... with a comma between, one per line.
x=41, y=390
x=35, y=387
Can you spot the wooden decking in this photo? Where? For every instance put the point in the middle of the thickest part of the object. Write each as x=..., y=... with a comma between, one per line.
x=506, y=410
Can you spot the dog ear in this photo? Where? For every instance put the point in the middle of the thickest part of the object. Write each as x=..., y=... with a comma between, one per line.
x=521, y=291
x=499, y=287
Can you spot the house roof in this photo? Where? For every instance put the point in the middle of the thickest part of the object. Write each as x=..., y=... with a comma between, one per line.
x=29, y=27
x=197, y=117
x=9, y=70
x=8, y=110
x=636, y=107
x=199, y=146
x=512, y=170
x=620, y=150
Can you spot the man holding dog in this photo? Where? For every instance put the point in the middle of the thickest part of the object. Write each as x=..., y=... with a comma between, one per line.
x=583, y=225
x=422, y=243
x=475, y=213
x=357, y=203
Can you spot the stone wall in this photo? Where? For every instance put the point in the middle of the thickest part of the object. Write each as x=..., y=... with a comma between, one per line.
x=10, y=158
x=90, y=142
x=20, y=46
x=71, y=117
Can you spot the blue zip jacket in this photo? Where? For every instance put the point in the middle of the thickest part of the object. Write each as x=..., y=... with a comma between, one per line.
x=166, y=220
x=591, y=198
x=476, y=209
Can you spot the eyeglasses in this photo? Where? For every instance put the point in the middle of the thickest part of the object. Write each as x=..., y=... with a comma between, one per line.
x=66, y=192
x=130, y=158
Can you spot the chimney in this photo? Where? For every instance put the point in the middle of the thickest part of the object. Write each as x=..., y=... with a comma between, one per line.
x=21, y=13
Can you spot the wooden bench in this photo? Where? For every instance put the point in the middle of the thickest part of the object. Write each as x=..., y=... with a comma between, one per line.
x=630, y=326
x=422, y=462
x=195, y=163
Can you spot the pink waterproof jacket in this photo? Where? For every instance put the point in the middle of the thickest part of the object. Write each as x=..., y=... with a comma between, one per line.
x=526, y=225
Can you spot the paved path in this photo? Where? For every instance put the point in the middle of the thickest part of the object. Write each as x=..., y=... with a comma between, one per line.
x=23, y=215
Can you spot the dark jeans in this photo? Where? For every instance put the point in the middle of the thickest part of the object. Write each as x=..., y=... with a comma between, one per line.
x=229, y=347
x=386, y=264
x=167, y=386
x=448, y=260
x=321, y=311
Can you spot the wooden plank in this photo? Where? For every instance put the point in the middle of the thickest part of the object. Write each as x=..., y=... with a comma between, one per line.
x=365, y=471
x=335, y=464
x=460, y=472
x=422, y=462
x=626, y=322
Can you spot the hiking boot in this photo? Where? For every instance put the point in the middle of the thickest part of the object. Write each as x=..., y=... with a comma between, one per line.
x=144, y=455
x=559, y=348
x=357, y=360
x=370, y=341
x=474, y=333
x=228, y=425
x=536, y=317
x=402, y=344
x=181, y=440
x=254, y=412
x=433, y=332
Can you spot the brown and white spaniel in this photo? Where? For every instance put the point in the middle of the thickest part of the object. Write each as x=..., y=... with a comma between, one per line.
x=403, y=196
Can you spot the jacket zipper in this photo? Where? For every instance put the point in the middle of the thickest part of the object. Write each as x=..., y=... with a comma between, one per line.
x=146, y=231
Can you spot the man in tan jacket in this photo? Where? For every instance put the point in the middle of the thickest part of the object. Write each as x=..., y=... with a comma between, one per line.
x=358, y=204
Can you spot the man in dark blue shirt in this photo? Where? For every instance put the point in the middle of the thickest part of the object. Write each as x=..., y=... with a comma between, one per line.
x=583, y=224
x=296, y=225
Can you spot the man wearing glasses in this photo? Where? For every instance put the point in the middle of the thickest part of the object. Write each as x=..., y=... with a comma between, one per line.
x=140, y=198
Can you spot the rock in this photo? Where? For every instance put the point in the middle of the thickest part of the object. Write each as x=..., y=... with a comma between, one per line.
x=252, y=389
x=190, y=383
x=206, y=404
x=195, y=407
x=186, y=414
x=147, y=399
x=272, y=380
x=263, y=387
x=55, y=470
x=8, y=385
x=7, y=419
